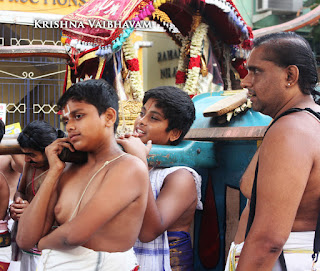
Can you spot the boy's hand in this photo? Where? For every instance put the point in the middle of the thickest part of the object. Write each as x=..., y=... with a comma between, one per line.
x=133, y=145
x=52, y=152
x=17, y=208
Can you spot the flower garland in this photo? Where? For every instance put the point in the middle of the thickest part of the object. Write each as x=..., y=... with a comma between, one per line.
x=195, y=58
x=182, y=67
x=134, y=71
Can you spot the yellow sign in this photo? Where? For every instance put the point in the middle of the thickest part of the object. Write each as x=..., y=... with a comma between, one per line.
x=12, y=129
x=61, y=7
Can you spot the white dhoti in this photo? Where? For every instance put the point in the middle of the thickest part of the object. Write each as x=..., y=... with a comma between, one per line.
x=84, y=259
x=297, y=253
x=5, y=249
x=5, y=254
x=29, y=261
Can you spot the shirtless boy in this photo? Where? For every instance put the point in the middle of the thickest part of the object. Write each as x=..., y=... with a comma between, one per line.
x=166, y=116
x=282, y=76
x=33, y=140
x=98, y=205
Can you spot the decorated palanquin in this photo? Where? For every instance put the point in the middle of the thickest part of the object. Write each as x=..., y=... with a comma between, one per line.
x=214, y=41
x=213, y=38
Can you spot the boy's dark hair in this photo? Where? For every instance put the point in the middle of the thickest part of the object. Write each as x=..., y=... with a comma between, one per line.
x=177, y=107
x=288, y=48
x=37, y=135
x=99, y=93
x=2, y=129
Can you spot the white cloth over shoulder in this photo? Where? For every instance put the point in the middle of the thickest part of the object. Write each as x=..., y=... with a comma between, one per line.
x=297, y=253
x=157, y=176
x=155, y=255
x=84, y=259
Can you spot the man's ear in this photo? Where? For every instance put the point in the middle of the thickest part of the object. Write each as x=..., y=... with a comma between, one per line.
x=174, y=134
x=110, y=116
x=292, y=75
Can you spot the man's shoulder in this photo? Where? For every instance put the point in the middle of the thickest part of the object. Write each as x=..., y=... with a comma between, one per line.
x=295, y=133
x=295, y=124
x=5, y=163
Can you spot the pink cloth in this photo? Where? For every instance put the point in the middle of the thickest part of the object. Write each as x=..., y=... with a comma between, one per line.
x=3, y=225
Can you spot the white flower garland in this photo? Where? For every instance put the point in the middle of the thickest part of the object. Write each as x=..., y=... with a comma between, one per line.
x=195, y=51
x=135, y=76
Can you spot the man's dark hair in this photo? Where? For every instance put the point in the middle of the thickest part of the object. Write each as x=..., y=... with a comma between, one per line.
x=288, y=48
x=177, y=107
x=99, y=93
x=37, y=135
x=2, y=129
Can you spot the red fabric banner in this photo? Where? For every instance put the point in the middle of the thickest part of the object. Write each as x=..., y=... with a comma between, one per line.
x=94, y=21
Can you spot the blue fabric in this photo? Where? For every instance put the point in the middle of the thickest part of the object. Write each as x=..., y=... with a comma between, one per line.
x=181, y=252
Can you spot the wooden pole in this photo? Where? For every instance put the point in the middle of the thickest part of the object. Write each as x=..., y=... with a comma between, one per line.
x=10, y=145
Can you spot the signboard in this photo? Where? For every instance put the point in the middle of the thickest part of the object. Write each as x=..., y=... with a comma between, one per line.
x=14, y=128
x=3, y=112
x=62, y=7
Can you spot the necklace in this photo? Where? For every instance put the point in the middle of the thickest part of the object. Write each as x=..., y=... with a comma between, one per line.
x=94, y=175
x=34, y=179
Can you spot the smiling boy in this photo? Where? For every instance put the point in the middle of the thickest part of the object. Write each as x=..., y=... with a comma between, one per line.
x=99, y=205
x=164, y=241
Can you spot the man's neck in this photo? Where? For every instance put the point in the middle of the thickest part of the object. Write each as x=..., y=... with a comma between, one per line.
x=301, y=101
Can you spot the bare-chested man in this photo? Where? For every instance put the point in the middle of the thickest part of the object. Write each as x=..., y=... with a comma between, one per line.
x=5, y=249
x=99, y=205
x=282, y=75
x=166, y=116
x=11, y=167
x=33, y=140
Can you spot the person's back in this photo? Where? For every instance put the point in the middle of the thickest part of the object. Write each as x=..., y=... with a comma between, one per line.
x=96, y=207
x=174, y=194
x=5, y=240
x=11, y=170
x=5, y=250
x=282, y=76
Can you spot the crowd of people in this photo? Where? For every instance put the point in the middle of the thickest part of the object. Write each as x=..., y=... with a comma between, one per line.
x=55, y=200
x=114, y=212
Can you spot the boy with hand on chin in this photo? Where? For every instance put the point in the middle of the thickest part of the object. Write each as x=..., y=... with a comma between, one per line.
x=98, y=205
x=164, y=241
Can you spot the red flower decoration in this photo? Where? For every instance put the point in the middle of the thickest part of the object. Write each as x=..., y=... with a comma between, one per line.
x=247, y=44
x=194, y=62
x=180, y=77
x=133, y=64
x=239, y=65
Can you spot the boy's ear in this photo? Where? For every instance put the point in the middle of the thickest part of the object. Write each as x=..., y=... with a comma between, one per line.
x=174, y=134
x=110, y=116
